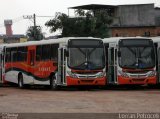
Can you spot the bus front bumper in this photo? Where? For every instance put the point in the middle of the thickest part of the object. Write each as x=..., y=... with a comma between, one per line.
x=91, y=81
x=141, y=81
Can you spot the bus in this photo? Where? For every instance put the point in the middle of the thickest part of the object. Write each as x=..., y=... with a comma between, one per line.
x=131, y=60
x=55, y=62
x=156, y=41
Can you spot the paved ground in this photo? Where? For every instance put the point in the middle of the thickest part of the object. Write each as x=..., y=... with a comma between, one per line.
x=40, y=100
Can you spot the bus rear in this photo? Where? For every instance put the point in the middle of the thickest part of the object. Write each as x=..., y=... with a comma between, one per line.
x=85, y=62
x=136, y=61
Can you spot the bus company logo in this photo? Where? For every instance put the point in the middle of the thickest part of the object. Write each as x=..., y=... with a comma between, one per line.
x=9, y=116
x=44, y=69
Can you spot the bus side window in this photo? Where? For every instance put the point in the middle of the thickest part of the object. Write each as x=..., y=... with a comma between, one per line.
x=54, y=52
x=14, y=54
x=32, y=53
x=38, y=53
x=46, y=52
x=8, y=55
x=22, y=54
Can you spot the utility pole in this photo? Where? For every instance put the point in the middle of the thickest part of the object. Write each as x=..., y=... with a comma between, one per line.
x=33, y=17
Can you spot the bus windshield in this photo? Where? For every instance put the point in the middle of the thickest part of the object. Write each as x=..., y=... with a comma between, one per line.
x=137, y=57
x=87, y=57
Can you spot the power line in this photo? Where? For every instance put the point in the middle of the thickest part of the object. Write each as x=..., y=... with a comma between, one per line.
x=45, y=16
x=15, y=20
x=18, y=19
x=30, y=17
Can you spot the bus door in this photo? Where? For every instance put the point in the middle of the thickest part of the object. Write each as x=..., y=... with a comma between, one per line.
x=61, y=66
x=1, y=65
x=106, y=57
x=158, y=71
x=112, y=64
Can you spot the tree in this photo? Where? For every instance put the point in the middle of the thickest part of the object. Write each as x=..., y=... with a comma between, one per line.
x=34, y=33
x=86, y=23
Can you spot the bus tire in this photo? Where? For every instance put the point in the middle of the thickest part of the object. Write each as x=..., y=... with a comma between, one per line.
x=20, y=81
x=53, y=85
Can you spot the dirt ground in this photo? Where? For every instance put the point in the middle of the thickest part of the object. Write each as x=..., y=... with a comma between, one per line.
x=41, y=100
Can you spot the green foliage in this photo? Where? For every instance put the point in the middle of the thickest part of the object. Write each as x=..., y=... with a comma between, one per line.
x=86, y=23
x=34, y=33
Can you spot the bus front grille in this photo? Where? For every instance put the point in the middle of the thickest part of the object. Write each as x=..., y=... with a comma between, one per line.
x=139, y=79
x=86, y=77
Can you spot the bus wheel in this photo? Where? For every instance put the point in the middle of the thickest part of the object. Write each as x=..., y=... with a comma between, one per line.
x=53, y=84
x=20, y=81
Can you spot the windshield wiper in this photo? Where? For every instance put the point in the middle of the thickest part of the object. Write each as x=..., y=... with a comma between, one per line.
x=86, y=64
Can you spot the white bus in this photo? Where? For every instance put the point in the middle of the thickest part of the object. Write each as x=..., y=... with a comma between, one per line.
x=156, y=41
x=131, y=60
x=56, y=62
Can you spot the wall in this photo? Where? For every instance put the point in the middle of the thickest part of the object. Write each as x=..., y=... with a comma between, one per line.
x=23, y=40
x=157, y=16
x=134, y=15
x=139, y=31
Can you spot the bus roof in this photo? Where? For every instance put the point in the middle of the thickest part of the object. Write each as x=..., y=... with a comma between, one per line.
x=116, y=39
x=50, y=41
x=156, y=39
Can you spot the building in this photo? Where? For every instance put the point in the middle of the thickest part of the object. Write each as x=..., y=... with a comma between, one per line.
x=16, y=38
x=9, y=37
x=8, y=25
x=130, y=20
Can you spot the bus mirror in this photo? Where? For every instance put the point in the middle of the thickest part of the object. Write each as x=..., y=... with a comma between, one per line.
x=119, y=54
x=66, y=53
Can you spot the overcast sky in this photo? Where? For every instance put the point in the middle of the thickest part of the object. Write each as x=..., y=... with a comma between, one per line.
x=15, y=9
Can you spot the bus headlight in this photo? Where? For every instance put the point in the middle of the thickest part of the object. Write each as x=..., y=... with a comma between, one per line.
x=71, y=74
x=101, y=75
x=152, y=73
x=123, y=74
